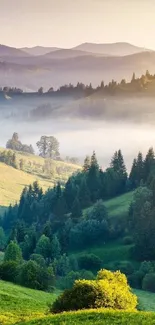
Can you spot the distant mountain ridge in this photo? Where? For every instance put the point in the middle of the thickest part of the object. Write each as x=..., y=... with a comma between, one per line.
x=11, y=51
x=64, y=66
x=115, y=49
x=39, y=50
x=106, y=49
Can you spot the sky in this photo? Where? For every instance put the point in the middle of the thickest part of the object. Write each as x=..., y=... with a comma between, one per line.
x=67, y=23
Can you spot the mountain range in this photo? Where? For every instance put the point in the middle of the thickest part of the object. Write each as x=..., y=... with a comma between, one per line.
x=30, y=68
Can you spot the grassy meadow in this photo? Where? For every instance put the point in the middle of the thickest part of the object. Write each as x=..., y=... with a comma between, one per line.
x=27, y=306
x=97, y=317
x=18, y=303
x=12, y=181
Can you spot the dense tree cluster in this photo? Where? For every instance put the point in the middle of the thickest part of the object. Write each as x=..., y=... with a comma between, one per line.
x=8, y=158
x=15, y=144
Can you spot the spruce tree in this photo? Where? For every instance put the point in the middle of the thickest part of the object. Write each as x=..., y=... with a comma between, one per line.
x=93, y=180
x=76, y=209
x=84, y=194
x=149, y=163
x=86, y=164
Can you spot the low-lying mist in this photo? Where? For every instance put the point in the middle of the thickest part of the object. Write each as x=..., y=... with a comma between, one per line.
x=81, y=126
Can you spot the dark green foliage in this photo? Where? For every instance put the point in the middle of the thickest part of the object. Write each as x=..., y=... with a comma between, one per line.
x=141, y=219
x=76, y=209
x=38, y=259
x=9, y=271
x=93, y=179
x=55, y=248
x=148, y=283
x=128, y=240
x=89, y=262
x=84, y=194
x=88, y=232
x=117, y=164
x=13, y=253
x=34, y=276
x=125, y=267
x=2, y=239
x=43, y=246
x=98, y=212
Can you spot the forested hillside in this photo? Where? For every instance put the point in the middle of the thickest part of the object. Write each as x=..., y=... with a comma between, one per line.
x=46, y=230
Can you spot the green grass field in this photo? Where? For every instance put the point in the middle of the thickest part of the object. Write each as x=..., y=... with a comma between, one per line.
x=119, y=206
x=21, y=305
x=97, y=317
x=146, y=300
x=12, y=181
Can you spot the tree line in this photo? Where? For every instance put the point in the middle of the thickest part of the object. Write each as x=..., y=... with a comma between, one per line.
x=136, y=84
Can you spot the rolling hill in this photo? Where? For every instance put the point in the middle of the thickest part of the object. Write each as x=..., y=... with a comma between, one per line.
x=120, y=48
x=38, y=50
x=12, y=180
x=28, y=306
x=96, y=317
x=19, y=303
x=32, y=72
x=11, y=51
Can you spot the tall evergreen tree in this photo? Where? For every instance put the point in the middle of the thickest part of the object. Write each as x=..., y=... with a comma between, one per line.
x=149, y=163
x=76, y=210
x=84, y=194
x=93, y=180
x=86, y=164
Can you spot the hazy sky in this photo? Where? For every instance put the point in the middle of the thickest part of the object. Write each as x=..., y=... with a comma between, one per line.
x=66, y=23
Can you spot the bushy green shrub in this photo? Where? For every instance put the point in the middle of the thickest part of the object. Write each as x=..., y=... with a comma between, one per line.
x=128, y=240
x=89, y=262
x=147, y=267
x=9, y=271
x=109, y=290
x=135, y=279
x=148, y=283
x=125, y=267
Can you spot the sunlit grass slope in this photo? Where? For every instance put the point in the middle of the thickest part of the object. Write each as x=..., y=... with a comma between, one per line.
x=12, y=180
x=19, y=303
x=97, y=317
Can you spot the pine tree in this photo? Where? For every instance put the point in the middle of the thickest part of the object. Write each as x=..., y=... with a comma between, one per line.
x=133, y=174
x=93, y=180
x=86, y=165
x=149, y=163
x=76, y=209
x=140, y=168
x=70, y=193
x=84, y=194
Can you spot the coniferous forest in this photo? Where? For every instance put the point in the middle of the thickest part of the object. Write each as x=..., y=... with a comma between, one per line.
x=41, y=233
